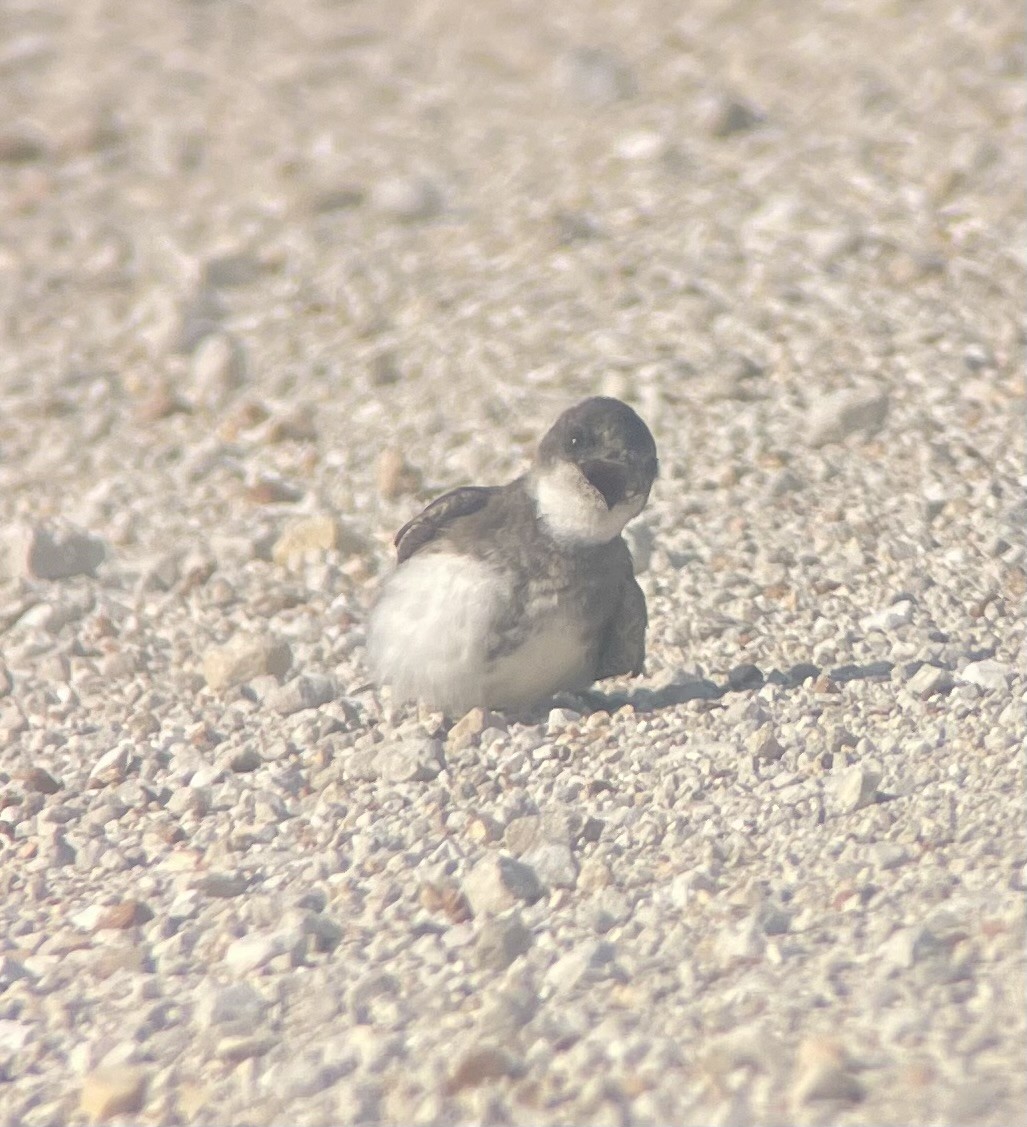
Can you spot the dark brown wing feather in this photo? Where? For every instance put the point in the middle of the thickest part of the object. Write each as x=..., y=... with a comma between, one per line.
x=623, y=649
x=423, y=528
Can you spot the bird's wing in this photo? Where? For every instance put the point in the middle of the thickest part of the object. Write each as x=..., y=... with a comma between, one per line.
x=441, y=512
x=623, y=648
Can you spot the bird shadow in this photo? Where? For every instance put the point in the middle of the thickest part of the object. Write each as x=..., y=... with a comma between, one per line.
x=743, y=678
x=683, y=689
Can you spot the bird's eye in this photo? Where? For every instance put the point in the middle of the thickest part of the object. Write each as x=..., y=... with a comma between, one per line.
x=576, y=439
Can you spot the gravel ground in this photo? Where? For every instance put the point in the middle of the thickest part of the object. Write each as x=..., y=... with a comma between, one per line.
x=273, y=275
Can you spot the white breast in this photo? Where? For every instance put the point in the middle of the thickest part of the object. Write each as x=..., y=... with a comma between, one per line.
x=434, y=624
x=428, y=634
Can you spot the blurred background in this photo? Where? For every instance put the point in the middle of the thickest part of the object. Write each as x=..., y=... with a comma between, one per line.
x=434, y=217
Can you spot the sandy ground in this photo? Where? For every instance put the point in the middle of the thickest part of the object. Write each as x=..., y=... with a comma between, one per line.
x=273, y=275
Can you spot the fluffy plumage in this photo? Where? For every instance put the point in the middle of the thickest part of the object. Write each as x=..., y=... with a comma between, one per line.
x=505, y=595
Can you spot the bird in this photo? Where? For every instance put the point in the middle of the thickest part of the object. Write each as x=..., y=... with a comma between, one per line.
x=505, y=596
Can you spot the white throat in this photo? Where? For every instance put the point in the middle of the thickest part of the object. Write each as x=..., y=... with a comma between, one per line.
x=574, y=510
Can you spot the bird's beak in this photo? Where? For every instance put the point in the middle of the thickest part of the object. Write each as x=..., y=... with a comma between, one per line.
x=610, y=479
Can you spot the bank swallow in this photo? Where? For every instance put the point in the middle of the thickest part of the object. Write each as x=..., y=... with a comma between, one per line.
x=505, y=595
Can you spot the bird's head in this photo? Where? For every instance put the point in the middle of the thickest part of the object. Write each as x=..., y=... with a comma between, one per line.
x=593, y=471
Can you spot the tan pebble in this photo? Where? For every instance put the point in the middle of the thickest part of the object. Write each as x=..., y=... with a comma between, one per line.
x=467, y=729
x=298, y=424
x=246, y=416
x=144, y=724
x=118, y=663
x=244, y=658
x=522, y=833
x=127, y=914
x=111, y=767
x=308, y=534
x=763, y=744
x=273, y=491
x=357, y=569
x=115, y=1090
x=243, y=1047
x=183, y=860
x=483, y=829
x=825, y=1071
x=192, y=1098
x=481, y=1063
x=159, y=402
x=218, y=368
x=637, y=1083
x=41, y=781
x=394, y=474
x=594, y=875
x=446, y=898
x=315, y=535
x=111, y=960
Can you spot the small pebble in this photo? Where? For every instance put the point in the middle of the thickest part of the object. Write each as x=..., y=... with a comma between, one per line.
x=898, y=614
x=560, y=718
x=238, y=1004
x=727, y=116
x=840, y=414
x=553, y=863
x=930, y=680
x=243, y=658
x=251, y=952
x=308, y=537
x=994, y=676
x=763, y=744
x=467, y=731
x=501, y=939
x=116, y=1090
x=412, y=761
x=309, y=690
x=480, y=1064
x=126, y=914
x=40, y=780
x=855, y=788
x=597, y=77
x=217, y=368
x=394, y=475
x=111, y=767
x=46, y=551
x=498, y=883
x=409, y=199
x=823, y=1071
